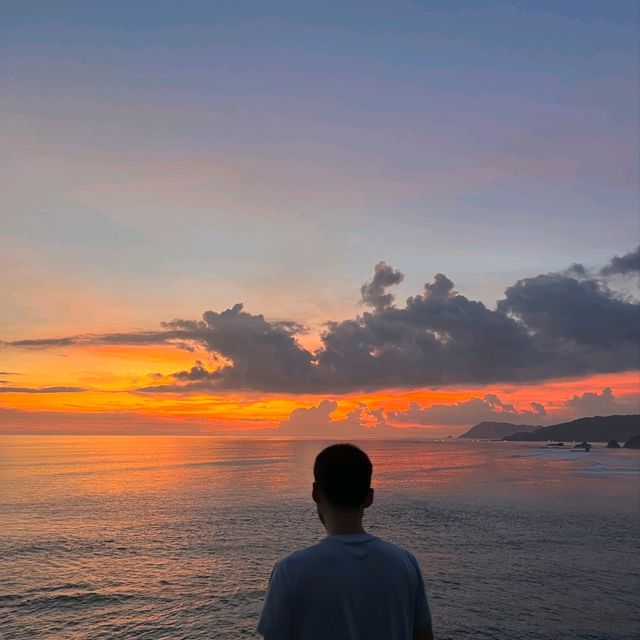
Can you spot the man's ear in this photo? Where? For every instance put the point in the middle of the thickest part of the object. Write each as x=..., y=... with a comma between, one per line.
x=315, y=493
x=369, y=499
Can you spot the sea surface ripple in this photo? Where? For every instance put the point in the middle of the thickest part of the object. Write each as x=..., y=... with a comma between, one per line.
x=174, y=537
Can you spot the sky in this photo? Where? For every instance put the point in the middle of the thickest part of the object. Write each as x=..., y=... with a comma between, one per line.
x=305, y=218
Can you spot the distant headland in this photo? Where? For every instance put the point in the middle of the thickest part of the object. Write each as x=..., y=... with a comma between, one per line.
x=595, y=429
x=496, y=430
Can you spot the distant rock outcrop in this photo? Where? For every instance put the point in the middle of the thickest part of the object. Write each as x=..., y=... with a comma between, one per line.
x=492, y=430
x=598, y=429
x=613, y=444
x=633, y=443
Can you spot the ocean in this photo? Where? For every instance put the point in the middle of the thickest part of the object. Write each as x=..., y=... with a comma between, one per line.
x=158, y=537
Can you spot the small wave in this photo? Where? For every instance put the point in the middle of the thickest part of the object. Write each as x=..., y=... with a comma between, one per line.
x=10, y=597
x=75, y=600
x=231, y=463
x=559, y=454
x=604, y=471
x=61, y=587
x=239, y=462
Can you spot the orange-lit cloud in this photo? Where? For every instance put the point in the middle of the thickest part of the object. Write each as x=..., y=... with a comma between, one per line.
x=95, y=411
x=439, y=362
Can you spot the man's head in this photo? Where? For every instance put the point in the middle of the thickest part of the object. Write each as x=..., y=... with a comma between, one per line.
x=342, y=474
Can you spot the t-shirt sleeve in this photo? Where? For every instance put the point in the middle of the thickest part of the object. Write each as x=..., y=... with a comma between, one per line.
x=276, y=620
x=422, y=616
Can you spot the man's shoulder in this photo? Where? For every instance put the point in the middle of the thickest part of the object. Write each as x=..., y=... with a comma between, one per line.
x=389, y=546
x=302, y=556
x=395, y=550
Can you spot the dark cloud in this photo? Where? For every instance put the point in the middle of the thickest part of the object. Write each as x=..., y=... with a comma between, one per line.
x=545, y=327
x=628, y=263
x=41, y=389
x=254, y=353
x=374, y=293
x=471, y=411
x=439, y=337
x=578, y=270
x=262, y=355
x=560, y=310
x=197, y=372
x=42, y=343
x=440, y=288
x=132, y=338
x=203, y=386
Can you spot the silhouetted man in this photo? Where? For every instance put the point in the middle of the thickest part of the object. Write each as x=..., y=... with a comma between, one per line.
x=351, y=585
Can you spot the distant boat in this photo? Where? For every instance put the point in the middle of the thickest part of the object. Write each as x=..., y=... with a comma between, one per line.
x=554, y=444
x=585, y=446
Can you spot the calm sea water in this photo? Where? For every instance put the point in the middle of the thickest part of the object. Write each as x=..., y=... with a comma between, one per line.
x=174, y=537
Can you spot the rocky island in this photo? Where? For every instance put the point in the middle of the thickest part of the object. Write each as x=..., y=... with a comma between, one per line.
x=633, y=443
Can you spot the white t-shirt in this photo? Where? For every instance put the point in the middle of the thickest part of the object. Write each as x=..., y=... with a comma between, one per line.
x=346, y=587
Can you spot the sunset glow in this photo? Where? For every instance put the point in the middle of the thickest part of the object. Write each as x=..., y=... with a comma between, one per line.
x=303, y=219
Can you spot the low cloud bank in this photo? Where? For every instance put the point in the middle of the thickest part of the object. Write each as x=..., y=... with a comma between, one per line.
x=442, y=418
x=601, y=404
x=471, y=411
x=548, y=326
x=317, y=421
x=320, y=420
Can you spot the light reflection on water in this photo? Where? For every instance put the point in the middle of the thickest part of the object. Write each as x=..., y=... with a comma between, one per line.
x=174, y=537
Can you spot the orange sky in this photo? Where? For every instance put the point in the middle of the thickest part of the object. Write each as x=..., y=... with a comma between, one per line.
x=147, y=182
x=110, y=374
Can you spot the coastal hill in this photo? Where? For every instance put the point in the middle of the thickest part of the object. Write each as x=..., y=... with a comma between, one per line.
x=493, y=430
x=598, y=429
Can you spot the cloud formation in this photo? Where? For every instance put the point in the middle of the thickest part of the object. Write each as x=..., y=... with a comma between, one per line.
x=600, y=404
x=197, y=372
x=628, y=263
x=443, y=418
x=374, y=293
x=134, y=338
x=545, y=327
x=316, y=421
x=41, y=389
x=469, y=412
x=262, y=355
x=568, y=311
x=492, y=408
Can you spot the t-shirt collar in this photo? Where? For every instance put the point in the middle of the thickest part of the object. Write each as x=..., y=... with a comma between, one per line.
x=350, y=537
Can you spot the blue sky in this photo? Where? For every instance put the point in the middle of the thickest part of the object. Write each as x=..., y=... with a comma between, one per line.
x=269, y=152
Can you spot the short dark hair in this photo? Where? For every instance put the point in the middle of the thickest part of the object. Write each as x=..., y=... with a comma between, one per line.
x=343, y=475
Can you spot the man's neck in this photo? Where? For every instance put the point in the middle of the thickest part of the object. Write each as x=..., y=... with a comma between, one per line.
x=343, y=523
